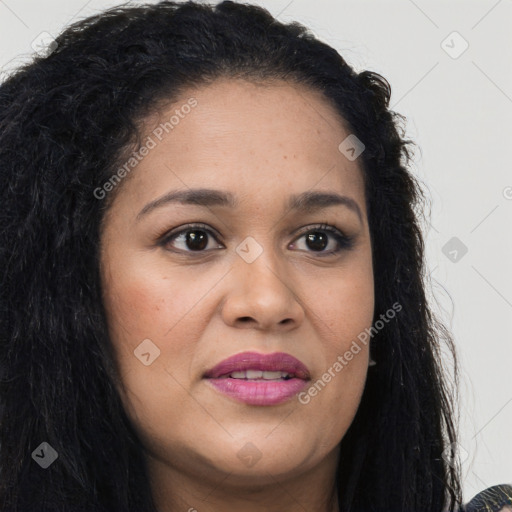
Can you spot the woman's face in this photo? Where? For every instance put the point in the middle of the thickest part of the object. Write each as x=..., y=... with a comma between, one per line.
x=257, y=275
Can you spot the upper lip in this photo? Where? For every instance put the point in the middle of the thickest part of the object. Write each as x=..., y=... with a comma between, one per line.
x=278, y=361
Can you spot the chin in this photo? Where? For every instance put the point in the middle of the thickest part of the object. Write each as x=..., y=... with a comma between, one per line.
x=260, y=461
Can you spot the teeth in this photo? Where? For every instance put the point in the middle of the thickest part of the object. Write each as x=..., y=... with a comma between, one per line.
x=258, y=374
x=273, y=375
x=238, y=375
x=254, y=374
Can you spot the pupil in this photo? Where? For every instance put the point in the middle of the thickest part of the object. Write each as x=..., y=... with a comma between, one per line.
x=314, y=238
x=197, y=240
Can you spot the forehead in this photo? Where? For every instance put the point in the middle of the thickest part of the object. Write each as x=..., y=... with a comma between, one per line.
x=269, y=138
x=278, y=113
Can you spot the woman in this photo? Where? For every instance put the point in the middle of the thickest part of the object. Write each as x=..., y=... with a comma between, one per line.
x=212, y=277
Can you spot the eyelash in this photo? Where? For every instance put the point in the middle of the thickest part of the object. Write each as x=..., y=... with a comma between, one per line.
x=345, y=242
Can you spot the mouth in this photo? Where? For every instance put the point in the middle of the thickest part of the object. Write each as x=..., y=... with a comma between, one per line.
x=255, y=366
x=258, y=375
x=259, y=379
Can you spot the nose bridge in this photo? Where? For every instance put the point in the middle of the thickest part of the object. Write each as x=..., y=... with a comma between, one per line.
x=258, y=265
x=261, y=291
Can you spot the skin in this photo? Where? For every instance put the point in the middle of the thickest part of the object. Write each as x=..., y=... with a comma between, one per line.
x=263, y=143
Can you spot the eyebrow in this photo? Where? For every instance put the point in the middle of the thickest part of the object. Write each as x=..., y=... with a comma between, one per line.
x=308, y=202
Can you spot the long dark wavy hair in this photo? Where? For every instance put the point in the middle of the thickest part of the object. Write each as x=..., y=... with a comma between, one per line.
x=67, y=120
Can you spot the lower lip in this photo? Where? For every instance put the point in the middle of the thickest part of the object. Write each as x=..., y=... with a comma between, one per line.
x=259, y=392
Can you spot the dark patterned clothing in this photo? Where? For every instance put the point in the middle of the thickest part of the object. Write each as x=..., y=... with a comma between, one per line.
x=493, y=499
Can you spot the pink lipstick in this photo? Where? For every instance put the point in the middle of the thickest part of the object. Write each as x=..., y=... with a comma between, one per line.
x=259, y=379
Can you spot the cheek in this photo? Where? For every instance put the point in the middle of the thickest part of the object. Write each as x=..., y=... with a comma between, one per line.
x=142, y=300
x=142, y=304
x=344, y=304
x=144, y=307
x=134, y=306
x=343, y=308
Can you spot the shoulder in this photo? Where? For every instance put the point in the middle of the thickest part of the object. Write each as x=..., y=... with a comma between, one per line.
x=494, y=499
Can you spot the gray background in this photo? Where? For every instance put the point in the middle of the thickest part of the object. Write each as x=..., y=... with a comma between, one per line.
x=459, y=110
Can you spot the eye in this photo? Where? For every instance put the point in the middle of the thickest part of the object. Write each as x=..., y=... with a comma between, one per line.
x=194, y=238
x=325, y=239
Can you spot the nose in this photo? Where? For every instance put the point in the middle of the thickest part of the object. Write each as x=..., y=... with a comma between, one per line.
x=261, y=296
